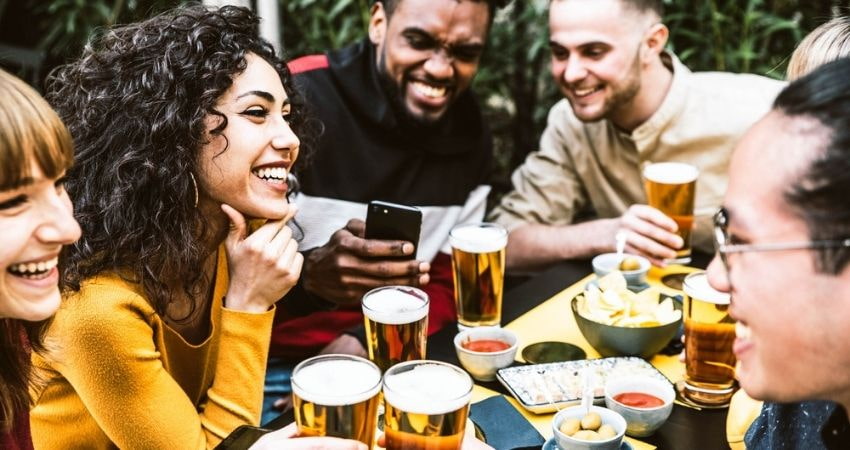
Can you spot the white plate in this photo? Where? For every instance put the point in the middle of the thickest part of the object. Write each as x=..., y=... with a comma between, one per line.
x=542, y=388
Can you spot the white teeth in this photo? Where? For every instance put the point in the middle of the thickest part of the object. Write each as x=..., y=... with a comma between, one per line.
x=272, y=174
x=428, y=90
x=34, y=268
x=742, y=331
x=584, y=92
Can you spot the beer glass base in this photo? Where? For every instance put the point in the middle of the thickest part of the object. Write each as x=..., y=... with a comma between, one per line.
x=462, y=327
x=682, y=260
x=707, y=396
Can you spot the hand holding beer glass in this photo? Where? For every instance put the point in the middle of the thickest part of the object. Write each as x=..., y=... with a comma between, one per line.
x=671, y=189
x=478, y=267
x=337, y=395
x=396, y=320
x=426, y=405
x=709, y=337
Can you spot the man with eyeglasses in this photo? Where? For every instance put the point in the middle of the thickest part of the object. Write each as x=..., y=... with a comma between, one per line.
x=628, y=101
x=783, y=242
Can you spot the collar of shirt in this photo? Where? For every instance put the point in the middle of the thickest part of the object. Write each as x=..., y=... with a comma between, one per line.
x=836, y=431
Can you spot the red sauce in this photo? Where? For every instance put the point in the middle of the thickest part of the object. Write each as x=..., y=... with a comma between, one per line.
x=485, y=345
x=638, y=400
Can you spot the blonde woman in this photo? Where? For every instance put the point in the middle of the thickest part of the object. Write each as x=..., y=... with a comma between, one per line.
x=36, y=220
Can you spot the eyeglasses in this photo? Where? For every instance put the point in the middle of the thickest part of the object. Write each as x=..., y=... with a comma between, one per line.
x=722, y=241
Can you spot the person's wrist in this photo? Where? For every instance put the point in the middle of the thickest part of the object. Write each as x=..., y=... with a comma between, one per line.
x=238, y=303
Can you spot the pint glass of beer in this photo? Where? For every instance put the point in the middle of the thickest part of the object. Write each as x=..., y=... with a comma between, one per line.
x=671, y=189
x=337, y=395
x=478, y=266
x=396, y=324
x=426, y=405
x=709, y=336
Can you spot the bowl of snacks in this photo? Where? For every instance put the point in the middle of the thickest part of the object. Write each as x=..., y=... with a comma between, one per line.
x=619, y=322
x=484, y=350
x=633, y=267
x=599, y=429
x=645, y=402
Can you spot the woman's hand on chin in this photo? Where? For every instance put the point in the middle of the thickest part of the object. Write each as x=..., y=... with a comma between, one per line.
x=264, y=265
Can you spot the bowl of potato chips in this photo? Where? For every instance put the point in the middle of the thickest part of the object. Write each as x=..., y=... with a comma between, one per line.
x=619, y=322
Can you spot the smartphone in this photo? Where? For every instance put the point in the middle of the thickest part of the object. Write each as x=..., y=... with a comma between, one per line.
x=242, y=438
x=386, y=220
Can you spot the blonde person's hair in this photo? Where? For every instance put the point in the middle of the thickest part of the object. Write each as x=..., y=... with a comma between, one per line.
x=30, y=131
x=825, y=43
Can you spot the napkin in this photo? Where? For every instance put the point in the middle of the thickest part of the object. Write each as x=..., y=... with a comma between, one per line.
x=503, y=426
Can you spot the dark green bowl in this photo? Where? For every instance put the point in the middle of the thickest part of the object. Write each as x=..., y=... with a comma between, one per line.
x=611, y=340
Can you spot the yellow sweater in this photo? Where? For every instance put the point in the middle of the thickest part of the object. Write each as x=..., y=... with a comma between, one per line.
x=118, y=376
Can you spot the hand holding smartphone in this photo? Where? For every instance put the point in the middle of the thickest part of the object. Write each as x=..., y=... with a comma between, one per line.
x=391, y=221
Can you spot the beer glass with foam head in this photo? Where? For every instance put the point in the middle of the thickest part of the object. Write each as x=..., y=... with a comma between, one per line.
x=478, y=266
x=709, y=336
x=337, y=395
x=426, y=405
x=671, y=188
x=396, y=320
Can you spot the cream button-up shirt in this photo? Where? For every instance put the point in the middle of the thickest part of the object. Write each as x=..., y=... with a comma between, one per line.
x=595, y=166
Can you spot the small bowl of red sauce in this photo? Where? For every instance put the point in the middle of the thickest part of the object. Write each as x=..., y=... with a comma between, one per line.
x=484, y=350
x=645, y=402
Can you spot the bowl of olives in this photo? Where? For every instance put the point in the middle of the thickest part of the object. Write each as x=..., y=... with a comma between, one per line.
x=576, y=428
x=633, y=268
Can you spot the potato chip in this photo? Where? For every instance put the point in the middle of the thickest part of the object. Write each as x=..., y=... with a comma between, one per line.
x=610, y=302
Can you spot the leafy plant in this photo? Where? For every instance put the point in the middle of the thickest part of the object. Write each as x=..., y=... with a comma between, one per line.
x=513, y=81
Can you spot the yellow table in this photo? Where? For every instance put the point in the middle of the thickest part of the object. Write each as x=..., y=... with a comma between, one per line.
x=553, y=320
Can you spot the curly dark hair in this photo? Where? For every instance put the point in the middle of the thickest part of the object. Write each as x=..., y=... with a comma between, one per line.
x=135, y=104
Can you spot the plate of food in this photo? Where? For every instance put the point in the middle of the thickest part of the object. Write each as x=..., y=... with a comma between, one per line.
x=543, y=388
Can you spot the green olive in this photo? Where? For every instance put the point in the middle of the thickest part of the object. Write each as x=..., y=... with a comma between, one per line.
x=629, y=263
x=606, y=431
x=591, y=421
x=587, y=435
x=570, y=426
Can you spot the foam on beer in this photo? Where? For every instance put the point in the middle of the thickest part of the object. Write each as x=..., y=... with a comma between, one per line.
x=670, y=173
x=477, y=239
x=696, y=286
x=428, y=389
x=336, y=382
x=393, y=306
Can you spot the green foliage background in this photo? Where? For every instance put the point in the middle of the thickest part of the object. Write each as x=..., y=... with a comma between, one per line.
x=513, y=81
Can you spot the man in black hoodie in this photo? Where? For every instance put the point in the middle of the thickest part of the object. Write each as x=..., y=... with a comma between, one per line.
x=401, y=125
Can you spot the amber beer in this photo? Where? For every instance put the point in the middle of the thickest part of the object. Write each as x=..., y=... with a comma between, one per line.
x=478, y=266
x=396, y=320
x=426, y=405
x=709, y=336
x=671, y=188
x=337, y=395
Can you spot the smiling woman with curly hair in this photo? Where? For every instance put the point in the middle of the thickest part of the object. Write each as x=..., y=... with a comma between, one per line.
x=184, y=129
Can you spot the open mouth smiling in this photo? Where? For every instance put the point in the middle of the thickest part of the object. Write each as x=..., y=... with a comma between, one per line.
x=33, y=270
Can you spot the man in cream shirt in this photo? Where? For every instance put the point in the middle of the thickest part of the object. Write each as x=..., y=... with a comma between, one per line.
x=627, y=102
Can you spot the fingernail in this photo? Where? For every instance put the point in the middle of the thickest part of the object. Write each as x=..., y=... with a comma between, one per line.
x=407, y=248
x=424, y=279
x=424, y=267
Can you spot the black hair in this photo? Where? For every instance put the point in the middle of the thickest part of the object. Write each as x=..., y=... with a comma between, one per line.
x=820, y=194
x=135, y=104
x=492, y=6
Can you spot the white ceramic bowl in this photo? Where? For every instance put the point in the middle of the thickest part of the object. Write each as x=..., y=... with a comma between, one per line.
x=605, y=263
x=641, y=422
x=483, y=366
x=577, y=412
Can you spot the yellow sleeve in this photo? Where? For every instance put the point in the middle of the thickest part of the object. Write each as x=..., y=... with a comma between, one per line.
x=107, y=352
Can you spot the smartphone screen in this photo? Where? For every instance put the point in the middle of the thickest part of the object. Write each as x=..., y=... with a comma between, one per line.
x=393, y=221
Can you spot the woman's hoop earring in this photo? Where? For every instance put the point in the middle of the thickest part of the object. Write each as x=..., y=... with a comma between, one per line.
x=195, y=187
